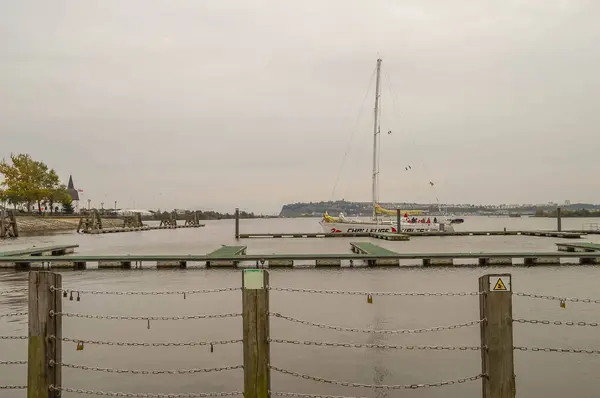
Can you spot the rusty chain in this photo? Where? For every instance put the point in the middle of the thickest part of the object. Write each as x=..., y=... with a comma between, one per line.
x=302, y=395
x=381, y=346
x=152, y=344
x=146, y=318
x=556, y=298
x=559, y=350
x=146, y=395
x=376, y=386
x=357, y=330
x=12, y=314
x=13, y=337
x=13, y=362
x=145, y=293
x=557, y=323
x=361, y=293
x=9, y=387
x=147, y=372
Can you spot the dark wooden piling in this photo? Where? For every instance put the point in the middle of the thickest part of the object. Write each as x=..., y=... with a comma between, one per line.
x=8, y=224
x=398, y=230
x=255, y=315
x=497, y=365
x=558, y=219
x=237, y=223
x=45, y=333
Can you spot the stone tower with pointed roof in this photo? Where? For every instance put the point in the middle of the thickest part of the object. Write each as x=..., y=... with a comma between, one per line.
x=71, y=189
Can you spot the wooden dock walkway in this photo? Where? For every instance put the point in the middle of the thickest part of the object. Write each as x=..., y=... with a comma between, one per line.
x=57, y=250
x=390, y=236
x=578, y=247
x=370, y=248
x=225, y=251
x=407, y=235
x=302, y=260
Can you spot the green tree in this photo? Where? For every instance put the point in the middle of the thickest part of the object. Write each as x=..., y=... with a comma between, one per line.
x=67, y=204
x=58, y=194
x=28, y=181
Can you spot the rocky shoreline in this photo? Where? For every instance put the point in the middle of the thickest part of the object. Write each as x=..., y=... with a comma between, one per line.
x=28, y=225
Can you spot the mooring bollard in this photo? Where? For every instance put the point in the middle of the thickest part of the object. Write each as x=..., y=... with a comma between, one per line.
x=255, y=316
x=497, y=364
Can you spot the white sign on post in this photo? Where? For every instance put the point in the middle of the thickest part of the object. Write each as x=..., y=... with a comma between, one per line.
x=253, y=279
x=500, y=283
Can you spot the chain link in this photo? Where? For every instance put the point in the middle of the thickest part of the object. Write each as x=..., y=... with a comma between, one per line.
x=147, y=372
x=402, y=331
x=145, y=318
x=382, y=346
x=11, y=291
x=13, y=337
x=358, y=293
x=13, y=387
x=11, y=314
x=301, y=395
x=13, y=362
x=570, y=299
x=559, y=350
x=145, y=293
x=557, y=323
x=146, y=395
x=153, y=344
x=377, y=386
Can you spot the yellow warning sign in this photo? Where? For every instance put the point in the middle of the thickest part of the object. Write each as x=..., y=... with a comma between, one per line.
x=500, y=285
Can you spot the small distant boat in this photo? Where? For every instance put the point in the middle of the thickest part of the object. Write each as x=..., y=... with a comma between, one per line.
x=515, y=215
x=457, y=220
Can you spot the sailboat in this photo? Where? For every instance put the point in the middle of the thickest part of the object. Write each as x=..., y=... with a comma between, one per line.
x=411, y=220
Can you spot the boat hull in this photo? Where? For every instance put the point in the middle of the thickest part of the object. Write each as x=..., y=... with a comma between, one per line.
x=347, y=227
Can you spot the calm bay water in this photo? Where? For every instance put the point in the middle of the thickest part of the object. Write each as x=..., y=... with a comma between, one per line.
x=547, y=375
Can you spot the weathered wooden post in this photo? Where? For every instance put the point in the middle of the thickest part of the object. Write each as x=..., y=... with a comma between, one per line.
x=45, y=333
x=237, y=223
x=398, y=221
x=497, y=365
x=8, y=224
x=255, y=315
x=558, y=219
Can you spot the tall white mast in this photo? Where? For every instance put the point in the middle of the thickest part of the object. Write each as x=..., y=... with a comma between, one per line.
x=375, y=132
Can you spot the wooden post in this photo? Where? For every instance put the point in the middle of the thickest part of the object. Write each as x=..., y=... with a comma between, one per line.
x=42, y=347
x=255, y=315
x=237, y=223
x=398, y=230
x=8, y=224
x=497, y=365
x=558, y=220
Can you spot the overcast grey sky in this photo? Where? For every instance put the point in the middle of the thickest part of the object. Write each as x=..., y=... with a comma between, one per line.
x=217, y=104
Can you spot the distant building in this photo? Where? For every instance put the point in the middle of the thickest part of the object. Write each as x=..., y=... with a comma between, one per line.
x=71, y=189
x=74, y=193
